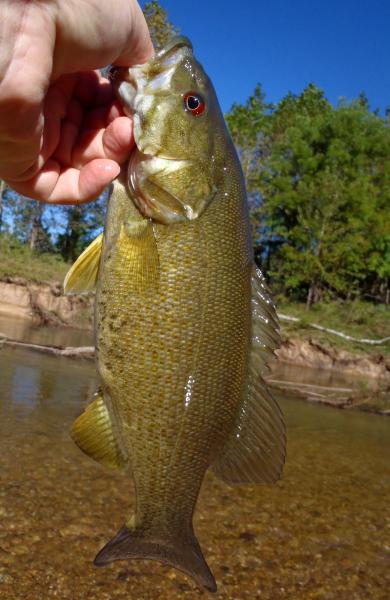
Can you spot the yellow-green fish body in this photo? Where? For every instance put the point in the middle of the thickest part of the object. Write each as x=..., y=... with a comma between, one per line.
x=184, y=323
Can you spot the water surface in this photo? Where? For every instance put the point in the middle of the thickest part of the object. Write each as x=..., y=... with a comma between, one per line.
x=26, y=331
x=323, y=532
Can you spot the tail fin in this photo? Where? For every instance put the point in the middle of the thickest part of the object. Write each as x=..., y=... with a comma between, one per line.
x=182, y=553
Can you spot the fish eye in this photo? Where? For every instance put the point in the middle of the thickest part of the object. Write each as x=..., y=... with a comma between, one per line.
x=194, y=103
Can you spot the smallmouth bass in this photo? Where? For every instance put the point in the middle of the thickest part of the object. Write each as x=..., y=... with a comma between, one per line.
x=184, y=323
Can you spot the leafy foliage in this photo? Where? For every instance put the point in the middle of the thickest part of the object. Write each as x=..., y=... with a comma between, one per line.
x=82, y=223
x=160, y=28
x=18, y=260
x=319, y=177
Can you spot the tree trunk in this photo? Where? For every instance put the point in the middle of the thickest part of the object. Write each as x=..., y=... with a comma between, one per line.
x=34, y=233
x=313, y=294
x=36, y=226
x=2, y=189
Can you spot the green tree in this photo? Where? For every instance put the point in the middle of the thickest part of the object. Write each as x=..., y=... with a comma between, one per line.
x=321, y=175
x=27, y=220
x=80, y=225
x=161, y=29
x=249, y=126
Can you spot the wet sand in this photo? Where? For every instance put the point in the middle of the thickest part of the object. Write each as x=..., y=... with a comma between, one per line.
x=321, y=533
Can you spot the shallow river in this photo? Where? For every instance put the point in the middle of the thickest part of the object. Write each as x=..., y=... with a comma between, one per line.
x=323, y=532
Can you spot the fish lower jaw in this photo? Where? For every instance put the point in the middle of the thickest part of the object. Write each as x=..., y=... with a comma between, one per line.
x=154, y=210
x=151, y=208
x=167, y=211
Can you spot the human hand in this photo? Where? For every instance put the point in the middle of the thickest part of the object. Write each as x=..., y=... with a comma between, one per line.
x=62, y=133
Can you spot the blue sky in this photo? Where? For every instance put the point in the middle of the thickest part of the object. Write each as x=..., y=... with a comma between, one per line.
x=343, y=47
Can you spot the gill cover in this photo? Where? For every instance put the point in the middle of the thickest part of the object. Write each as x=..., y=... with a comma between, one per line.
x=176, y=170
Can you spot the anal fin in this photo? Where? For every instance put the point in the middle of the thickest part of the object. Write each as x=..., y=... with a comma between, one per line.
x=93, y=433
x=255, y=451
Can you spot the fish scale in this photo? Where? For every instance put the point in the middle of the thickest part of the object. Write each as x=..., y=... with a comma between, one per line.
x=191, y=343
x=184, y=323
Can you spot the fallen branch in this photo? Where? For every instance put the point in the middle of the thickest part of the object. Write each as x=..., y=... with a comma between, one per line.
x=68, y=351
x=335, y=332
x=308, y=385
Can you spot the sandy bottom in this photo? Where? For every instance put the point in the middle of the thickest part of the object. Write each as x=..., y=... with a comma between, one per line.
x=321, y=533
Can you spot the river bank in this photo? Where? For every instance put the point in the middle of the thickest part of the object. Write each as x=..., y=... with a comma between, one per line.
x=303, y=368
x=45, y=304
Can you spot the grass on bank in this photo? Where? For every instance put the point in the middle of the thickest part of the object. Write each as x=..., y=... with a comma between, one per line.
x=17, y=260
x=356, y=318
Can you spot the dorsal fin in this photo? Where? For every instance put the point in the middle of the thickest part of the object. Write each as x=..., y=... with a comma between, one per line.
x=255, y=449
x=81, y=277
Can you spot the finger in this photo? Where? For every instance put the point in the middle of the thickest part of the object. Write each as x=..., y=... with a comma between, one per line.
x=68, y=135
x=77, y=187
x=86, y=87
x=138, y=47
x=118, y=139
x=105, y=92
x=114, y=142
x=96, y=118
x=25, y=157
x=68, y=138
x=114, y=112
x=105, y=33
x=70, y=186
x=75, y=112
x=93, y=89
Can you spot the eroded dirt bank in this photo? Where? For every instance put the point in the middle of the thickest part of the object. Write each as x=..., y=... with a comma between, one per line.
x=44, y=303
x=309, y=353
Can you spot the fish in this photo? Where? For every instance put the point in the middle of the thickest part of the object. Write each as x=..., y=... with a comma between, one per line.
x=184, y=322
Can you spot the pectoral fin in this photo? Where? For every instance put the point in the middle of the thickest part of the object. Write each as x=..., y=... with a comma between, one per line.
x=137, y=255
x=255, y=449
x=82, y=275
x=93, y=433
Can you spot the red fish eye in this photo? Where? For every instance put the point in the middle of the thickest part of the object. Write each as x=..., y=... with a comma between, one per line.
x=194, y=103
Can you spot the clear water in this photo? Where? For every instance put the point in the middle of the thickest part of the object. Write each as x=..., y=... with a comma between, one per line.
x=323, y=532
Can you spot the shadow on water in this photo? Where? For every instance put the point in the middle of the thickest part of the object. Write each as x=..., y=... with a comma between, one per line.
x=322, y=532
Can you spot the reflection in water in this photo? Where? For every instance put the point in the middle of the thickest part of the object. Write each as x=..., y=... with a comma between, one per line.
x=321, y=377
x=24, y=389
x=319, y=533
x=26, y=331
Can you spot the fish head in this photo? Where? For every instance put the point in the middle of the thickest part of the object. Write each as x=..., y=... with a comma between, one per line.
x=179, y=132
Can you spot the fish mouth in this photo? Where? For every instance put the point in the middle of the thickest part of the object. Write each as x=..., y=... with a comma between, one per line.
x=159, y=203
x=151, y=78
x=176, y=42
x=139, y=89
x=116, y=74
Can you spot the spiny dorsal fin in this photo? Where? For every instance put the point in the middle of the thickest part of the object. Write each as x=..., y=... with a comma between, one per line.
x=93, y=433
x=82, y=275
x=255, y=450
